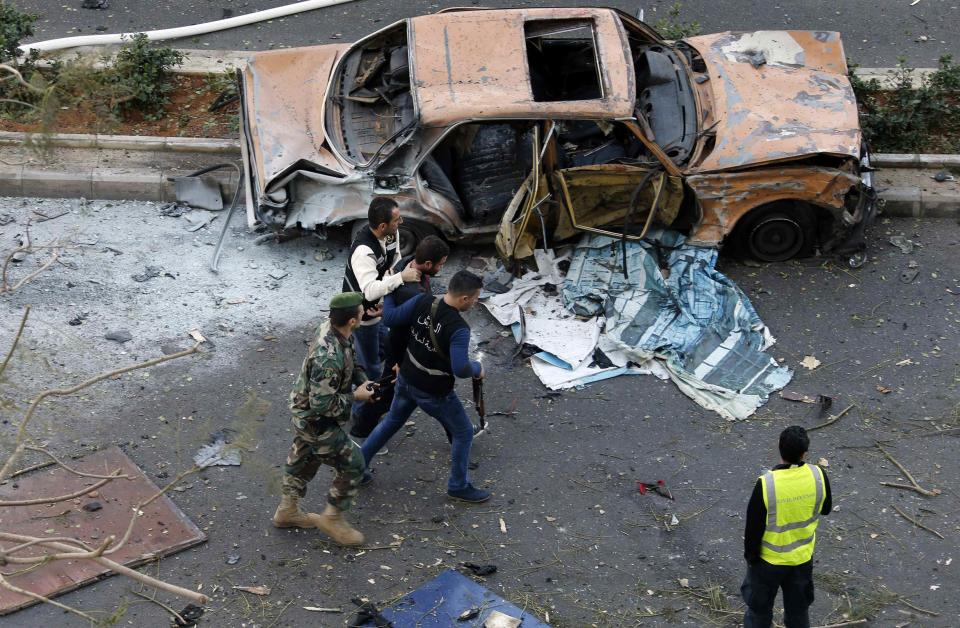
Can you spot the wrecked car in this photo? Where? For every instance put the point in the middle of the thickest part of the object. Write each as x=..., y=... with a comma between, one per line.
x=534, y=125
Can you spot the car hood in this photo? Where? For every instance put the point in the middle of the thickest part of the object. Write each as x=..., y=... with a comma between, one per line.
x=777, y=96
x=283, y=105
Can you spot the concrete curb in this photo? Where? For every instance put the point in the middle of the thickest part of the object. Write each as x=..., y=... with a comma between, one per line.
x=915, y=160
x=125, y=142
x=148, y=180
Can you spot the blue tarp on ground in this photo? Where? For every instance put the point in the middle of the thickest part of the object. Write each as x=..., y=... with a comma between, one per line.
x=696, y=321
x=439, y=602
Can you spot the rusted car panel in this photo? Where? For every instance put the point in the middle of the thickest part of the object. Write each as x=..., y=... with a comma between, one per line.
x=474, y=65
x=725, y=197
x=783, y=94
x=281, y=94
x=536, y=123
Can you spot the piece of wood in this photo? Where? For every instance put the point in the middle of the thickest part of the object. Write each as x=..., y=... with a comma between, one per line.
x=915, y=486
x=832, y=419
x=915, y=522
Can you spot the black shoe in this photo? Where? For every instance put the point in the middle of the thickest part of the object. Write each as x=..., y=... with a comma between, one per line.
x=470, y=494
x=367, y=478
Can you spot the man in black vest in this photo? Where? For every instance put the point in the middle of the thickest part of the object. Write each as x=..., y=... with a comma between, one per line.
x=429, y=258
x=436, y=354
x=373, y=255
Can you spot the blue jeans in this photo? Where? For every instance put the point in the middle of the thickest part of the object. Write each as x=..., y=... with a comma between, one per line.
x=369, y=342
x=447, y=409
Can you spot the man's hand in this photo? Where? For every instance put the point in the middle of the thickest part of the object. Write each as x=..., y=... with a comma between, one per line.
x=480, y=376
x=364, y=392
x=410, y=273
x=396, y=371
x=375, y=311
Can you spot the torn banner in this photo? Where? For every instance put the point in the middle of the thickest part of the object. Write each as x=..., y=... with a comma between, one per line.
x=696, y=326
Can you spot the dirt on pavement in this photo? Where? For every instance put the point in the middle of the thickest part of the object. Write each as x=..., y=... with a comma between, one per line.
x=580, y=543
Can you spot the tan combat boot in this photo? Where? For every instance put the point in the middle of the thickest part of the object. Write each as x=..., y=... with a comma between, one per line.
x=336, y=527
x=289, y=515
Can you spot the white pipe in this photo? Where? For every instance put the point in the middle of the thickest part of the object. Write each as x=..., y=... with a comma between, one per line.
x=182, y=31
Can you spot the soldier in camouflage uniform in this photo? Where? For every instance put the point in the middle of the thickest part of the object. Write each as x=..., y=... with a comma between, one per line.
x=320, y=402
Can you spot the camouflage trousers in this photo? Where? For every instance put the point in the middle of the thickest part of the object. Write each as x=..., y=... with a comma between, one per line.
x=326, y=443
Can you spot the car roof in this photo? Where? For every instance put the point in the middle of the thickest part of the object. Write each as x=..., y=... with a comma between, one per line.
x=469, y=65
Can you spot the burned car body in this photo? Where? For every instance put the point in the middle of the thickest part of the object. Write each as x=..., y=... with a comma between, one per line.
x=535, y=124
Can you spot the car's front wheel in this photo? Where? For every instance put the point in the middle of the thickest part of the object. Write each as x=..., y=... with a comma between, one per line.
x=777, y=232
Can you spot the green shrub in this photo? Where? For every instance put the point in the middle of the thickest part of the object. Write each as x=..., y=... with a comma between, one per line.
x=14, y=27
x=672, y=28
x=910, y=118
x=140, y=77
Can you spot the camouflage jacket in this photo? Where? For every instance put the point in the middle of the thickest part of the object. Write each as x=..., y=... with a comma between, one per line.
x=324, y=387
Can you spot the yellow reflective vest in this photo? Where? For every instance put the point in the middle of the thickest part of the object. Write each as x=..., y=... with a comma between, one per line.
x=793, y=498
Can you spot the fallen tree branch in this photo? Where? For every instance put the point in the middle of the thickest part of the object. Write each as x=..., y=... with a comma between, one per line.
x=61, y=498
x=832, y=419
x=136, y=510
x=855, y=622
x=915, y=522
x=914, y=485
x=16, y=339
x=19, y=77
x=40, y=598
x=46, y=558
x=53, y=258
x=56, y=460
x=180, y=620
x=907, y=603
x=22, y=430
x=149, y=581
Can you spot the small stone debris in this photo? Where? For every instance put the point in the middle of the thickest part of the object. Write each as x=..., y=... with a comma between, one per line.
x=149, y=272
x=119, y=335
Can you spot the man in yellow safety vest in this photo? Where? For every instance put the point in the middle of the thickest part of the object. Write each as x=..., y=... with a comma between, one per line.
x=780, y=533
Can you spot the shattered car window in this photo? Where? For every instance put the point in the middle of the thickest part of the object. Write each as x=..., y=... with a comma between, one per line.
x=370, y=104
x=562, y=57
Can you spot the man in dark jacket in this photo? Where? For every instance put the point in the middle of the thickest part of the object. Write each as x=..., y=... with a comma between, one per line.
x=435, y=356
x=780, y=534
x=429, y=258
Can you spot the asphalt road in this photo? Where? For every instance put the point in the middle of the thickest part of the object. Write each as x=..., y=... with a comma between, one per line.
x=580, y=542
x=876, y=34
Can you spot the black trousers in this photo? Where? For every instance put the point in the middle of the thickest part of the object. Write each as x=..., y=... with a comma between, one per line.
x=369, y=414
x=759, y=591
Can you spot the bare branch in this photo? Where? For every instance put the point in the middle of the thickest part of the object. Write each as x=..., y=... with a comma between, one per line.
x=61, y=539
x=42, y=465
x=136, y=510
x=46, y=265
x=40, y=598
x=832, y=419
x=71, y=555
x=22, y=430
x=915, y=522
x=74, y=471
x=149, y=581
x=16, y=74
x=172, y=612
x=61, y=498
x=16, y=339
x=915, y=486
x=14, y=101
x=6, y=263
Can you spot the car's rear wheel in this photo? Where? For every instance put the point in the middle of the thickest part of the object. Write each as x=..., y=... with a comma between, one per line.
x=411, y=233
x=777, y=232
